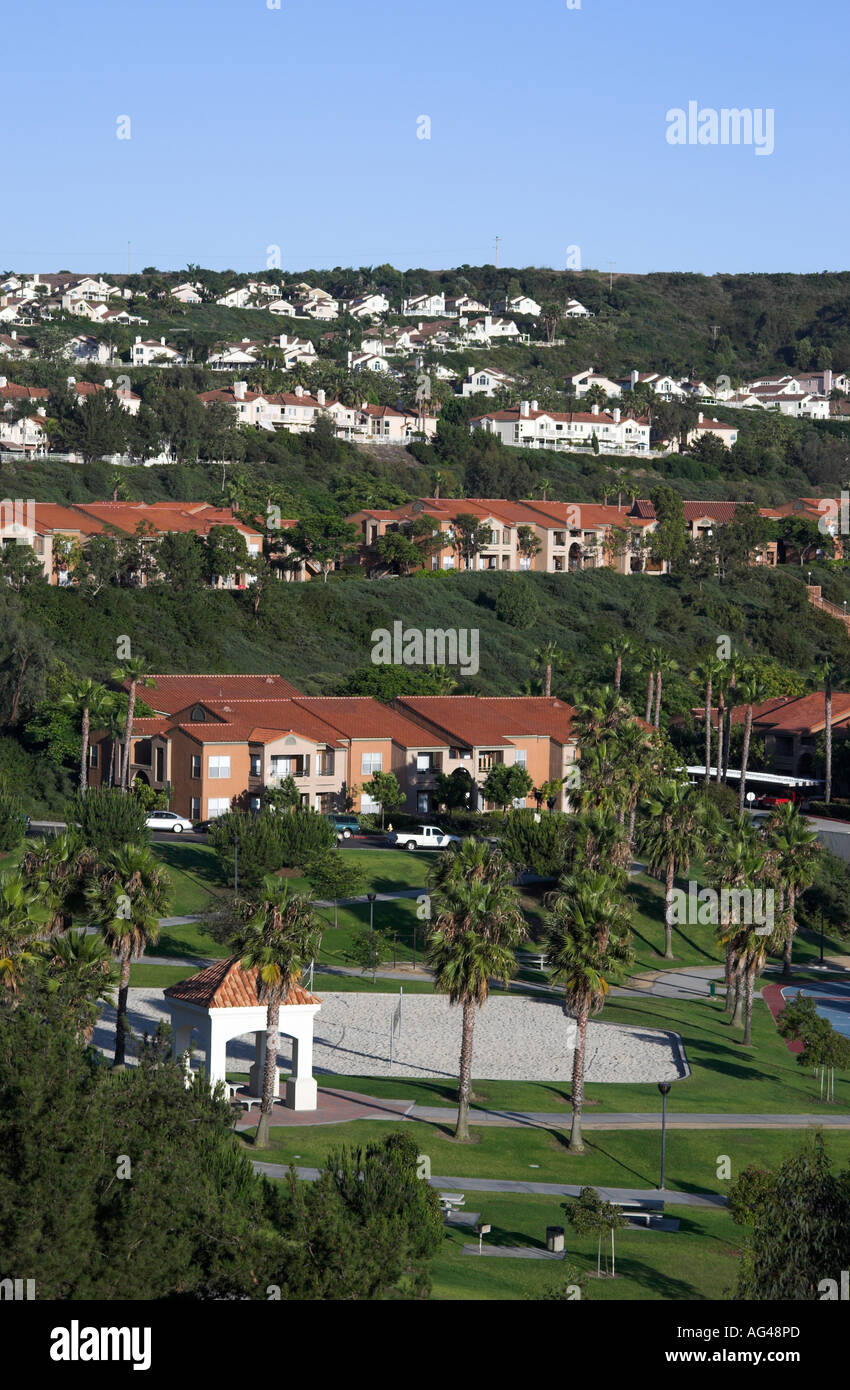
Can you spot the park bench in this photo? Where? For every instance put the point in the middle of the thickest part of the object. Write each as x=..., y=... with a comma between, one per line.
x=644, y=1211
x=451, y=1201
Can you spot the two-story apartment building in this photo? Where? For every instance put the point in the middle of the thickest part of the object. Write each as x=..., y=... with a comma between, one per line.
x=525, y=426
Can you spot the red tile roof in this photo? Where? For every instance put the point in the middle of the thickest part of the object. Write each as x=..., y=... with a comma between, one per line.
x=477, y=721
x=225, y=985
x=171, y=694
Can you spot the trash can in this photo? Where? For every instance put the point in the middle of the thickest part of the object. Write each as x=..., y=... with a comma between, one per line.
x=712, y=988
x=554, y=1238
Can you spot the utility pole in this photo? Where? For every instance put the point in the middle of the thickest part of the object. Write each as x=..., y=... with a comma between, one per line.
x=496, y=262
x=611, y=265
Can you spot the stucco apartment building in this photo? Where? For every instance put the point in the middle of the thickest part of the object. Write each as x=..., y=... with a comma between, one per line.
x=790, y=726
x=221, y=741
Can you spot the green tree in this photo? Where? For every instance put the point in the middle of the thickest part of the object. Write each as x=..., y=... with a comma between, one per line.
x=332, y=876
x=107, y=818
x=87, y=700
x=279, y=936
x=517, y=604
x=671, y=836
x=383, y=787
x=13, y=822
x=792, y=852
x=131, y=674
x=590, y=1214
x=506, y=783
x=476, y=925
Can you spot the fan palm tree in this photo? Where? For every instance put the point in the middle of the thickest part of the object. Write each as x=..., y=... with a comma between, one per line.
x=733, y=859
x=617, y=648
x=544, y=659
x=131, y=674
x=587, y=942
x=671, y=837
x=81, y=965
x=825, y=678
x=654, y=658
x=59, y=868
x=85, y=699
x=23, y=915
x=279, y=936
x=793, y=853
x=477, y=923
x=598, y=843
x=707, y=677
x=125, y=901
x=665, y=667
x=753, y=692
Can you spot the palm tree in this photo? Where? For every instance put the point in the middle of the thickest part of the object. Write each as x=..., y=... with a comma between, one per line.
x=125, y=902
x=23, y=915
x=706, y=676
x=131, y=674
x=279, y=937
x=671, y=837
x=85, y=699
x=544, y=659
x=80, y=964
x=665, y=666
x=477, y=923
x=587, y=941
x=59, y=868
x=792, y=852
x=654, y=657
x=753, y=692
x=734, y=859
x=618, y=647
x=825, y=676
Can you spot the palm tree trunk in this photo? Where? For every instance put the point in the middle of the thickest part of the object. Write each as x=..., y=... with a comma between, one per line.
x=792, y=927
x=548, y=679
x=121, y=1015
x=720, y=703
x=668, y=910
x=650, y=690
x=748, y=1006
x=737, y=1017
x=632, y=818
x=745, y=754
x=128, y=734
x=465, y=1079
x=827, y=776
x=658, y=698
x=618, y=674
x=84, y=757
x=708, y=694
x=576, y=1144
x=261, y=1139
x=729, y=976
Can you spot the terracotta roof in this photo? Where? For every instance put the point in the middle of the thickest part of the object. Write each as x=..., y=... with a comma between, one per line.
x=721, y=512
x=12, y=392
x=360, y=716
x=477, y=721
x=173, y=693
x=225, y=985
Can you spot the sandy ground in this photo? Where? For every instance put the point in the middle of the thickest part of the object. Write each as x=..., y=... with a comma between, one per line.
x=516, y=1038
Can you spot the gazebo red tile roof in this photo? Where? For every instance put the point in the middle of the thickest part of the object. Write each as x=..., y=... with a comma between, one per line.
x=225, y=985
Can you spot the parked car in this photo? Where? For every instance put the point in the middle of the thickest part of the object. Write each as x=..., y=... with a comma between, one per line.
x=168, y=820
x=345, y=826
x=768, y=802
x=424, y=837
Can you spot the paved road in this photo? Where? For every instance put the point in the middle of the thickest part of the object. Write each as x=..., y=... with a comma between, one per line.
x=535, y=1189
x=561, y=1119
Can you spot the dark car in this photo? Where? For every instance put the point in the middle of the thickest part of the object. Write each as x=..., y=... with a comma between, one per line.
x=344, y=825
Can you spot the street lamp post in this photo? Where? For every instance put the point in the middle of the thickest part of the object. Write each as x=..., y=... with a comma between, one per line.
x=371, y=897
x=664, y=1087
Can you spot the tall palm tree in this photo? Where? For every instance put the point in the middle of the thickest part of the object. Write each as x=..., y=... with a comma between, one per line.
x=59, y=869
x=544, y=659
x=131, y=674
x=731, y=685
x=734, y=857
x=23, y=915
x=825, y=677
x=707, y=676
x=793, y=852
x=618, y=647
x=665, y=667
x=81, y=965
x=125, y=901
x=587, y=942
x=654, y=657
x=279, y=936
x=87, y=700
x=477, y=923
x=671, y=836
x=753, y=691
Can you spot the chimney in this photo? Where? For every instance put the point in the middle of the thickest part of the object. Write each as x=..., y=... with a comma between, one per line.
x=42, y=412
x=108, y=383
x=138, y=337
x=616, y=414
x=535, y=405
x=594, y=410
x=162, y=340
x=524, y=409
x=14, y=333
x=239, y=389
x=3, y=382
x=299, y=391
x=699, y=418
x=72, y=381
x=633, y=377
x=320, y=396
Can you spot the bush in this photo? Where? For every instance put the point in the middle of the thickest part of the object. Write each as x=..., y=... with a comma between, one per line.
x=837, y=809
x=304, y=835
x=517, y=604
x=268, y=841
x=536, y=846
x=108, y=818
x=13, y=821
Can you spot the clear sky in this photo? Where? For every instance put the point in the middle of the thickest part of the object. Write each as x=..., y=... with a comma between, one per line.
x=296, y=127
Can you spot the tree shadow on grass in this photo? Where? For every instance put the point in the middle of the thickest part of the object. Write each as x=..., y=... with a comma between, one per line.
x=597, y=1148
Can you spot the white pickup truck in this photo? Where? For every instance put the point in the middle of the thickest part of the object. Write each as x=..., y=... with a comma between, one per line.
x=425, y=837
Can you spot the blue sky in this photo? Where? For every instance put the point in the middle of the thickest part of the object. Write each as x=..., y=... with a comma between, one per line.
x=297, y=127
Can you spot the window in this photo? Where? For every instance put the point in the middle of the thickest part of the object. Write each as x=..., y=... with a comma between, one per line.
x=371, y=763
x=219, y=766
x=255, y=803
x=196, y=764
x=94, y=753
x=368, y=807
x=520, y=757
x=218, y=806
x=256, y=765
x=195, y=808
x=422, y=803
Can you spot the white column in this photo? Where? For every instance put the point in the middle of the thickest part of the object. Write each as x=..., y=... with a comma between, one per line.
x=302, y=1093
x=216, y=1050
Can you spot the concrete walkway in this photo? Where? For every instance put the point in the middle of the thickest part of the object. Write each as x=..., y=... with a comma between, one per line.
x=533, y=1189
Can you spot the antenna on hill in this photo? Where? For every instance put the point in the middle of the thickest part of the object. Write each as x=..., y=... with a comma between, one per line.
x=611, y=265
x=496, y=261
x=128, y=258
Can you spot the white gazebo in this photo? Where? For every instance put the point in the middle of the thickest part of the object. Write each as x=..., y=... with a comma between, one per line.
x=221, y=1003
